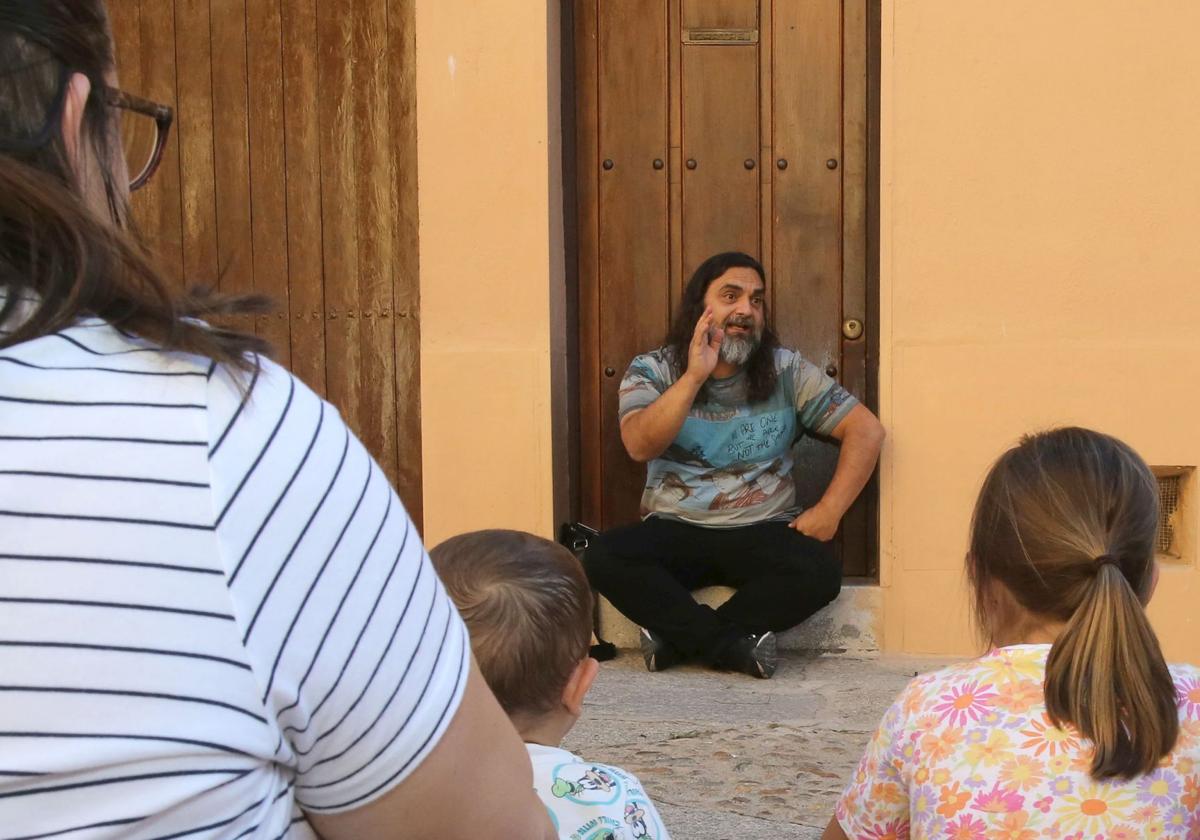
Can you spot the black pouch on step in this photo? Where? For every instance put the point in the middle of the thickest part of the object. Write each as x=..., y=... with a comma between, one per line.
x=576, y=536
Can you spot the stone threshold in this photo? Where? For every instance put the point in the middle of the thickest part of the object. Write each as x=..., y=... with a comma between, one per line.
x=847, y=626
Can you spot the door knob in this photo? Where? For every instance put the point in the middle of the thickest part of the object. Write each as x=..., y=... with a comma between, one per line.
x=749, y=163
x=781, y=163
x=658, y=164
x=831, y=163
x=608, y=164
x=691, y=163
x=610, y=372
x=852, y=328
x=831, y=370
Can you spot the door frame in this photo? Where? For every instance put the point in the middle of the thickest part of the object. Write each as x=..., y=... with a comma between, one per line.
x=570, y=473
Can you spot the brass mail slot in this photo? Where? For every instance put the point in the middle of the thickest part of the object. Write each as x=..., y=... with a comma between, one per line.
x=720, y=36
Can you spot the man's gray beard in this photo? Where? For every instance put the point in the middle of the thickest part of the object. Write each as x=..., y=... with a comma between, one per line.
x=737, y=350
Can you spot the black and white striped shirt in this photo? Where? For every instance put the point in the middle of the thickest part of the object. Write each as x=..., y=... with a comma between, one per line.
x=213, y=609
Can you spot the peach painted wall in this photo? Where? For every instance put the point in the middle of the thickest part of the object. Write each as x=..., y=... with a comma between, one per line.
x=485, y=77
x=1040, y=201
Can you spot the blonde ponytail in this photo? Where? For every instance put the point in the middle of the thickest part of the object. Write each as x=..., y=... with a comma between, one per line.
x=1106, y=676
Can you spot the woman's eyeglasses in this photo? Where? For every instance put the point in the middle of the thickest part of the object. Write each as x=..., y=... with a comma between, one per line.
x=144, y=129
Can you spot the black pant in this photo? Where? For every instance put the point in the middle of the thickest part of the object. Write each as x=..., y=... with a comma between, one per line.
x=649, y=569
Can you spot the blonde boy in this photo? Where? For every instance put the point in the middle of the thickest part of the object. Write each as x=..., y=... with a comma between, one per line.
x=528, y=608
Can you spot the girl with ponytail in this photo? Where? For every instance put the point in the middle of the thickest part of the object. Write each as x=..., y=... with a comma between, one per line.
x=1072, y=725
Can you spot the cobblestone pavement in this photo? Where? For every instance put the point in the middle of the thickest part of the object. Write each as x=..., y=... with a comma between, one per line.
x=729, y=757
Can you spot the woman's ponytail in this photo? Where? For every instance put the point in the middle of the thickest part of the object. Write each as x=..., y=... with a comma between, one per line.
x=1107, y=677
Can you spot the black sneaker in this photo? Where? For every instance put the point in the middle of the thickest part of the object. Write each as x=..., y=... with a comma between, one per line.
x=657, y=651
x=755, y=654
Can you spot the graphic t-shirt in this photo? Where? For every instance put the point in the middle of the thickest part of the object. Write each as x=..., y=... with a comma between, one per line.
x=968, y=753
x=590, y=801
x=731, y=463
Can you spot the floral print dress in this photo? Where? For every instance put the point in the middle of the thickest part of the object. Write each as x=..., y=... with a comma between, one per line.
x=968, y=753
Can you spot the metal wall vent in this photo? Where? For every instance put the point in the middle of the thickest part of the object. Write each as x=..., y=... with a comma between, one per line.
x=1173, y=501
x=1168, y=504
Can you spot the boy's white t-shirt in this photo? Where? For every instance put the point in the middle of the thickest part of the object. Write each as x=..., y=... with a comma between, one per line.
x=589, y=801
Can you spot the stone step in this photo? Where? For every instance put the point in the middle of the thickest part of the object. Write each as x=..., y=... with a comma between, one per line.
x=847, y=626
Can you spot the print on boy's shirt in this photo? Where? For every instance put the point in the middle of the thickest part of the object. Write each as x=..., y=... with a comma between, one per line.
x=635, y=819
x=595, y=786
x=600, y=828
x=589, y=801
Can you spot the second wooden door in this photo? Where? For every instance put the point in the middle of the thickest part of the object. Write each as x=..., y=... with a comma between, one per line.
x=708, y=126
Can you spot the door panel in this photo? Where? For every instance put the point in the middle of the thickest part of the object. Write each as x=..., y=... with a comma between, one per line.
x=720, y=137
x=734, y=14
x=633, y=215
x=807, y=194
x=859, y=524
x=314, y=203
x=587, y=166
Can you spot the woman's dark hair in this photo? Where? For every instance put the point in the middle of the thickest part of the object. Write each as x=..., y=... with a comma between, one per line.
x=760, y=368
x=1066, y=521
x=72, y=258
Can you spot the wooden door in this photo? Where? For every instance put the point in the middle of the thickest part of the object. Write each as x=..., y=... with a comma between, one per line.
x=291, y=170
x=707, y=126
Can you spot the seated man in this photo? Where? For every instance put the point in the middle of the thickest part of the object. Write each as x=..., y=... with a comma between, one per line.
x=715, y=413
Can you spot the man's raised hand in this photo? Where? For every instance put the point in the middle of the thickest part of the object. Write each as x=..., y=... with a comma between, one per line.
x=647, y=432
x=705, y=350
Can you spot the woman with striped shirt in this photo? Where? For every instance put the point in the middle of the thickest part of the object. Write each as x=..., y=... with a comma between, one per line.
x=216, y=619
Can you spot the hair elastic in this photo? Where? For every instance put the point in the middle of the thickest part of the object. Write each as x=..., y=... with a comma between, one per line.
x=1107, y=560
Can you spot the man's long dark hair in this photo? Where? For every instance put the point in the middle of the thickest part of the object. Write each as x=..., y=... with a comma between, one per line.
x=760, y=367
x=76, y=259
